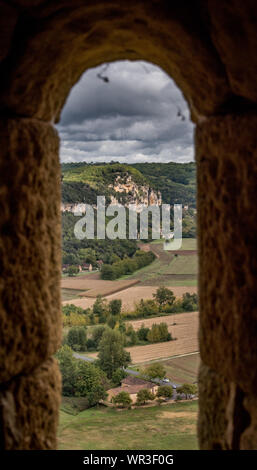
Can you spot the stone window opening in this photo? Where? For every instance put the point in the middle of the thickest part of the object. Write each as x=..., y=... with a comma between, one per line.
x=44, y=50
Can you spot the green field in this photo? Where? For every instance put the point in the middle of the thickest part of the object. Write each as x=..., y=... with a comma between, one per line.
x=170, y=426
x=168, y=269
x=182, y=265
x=69, y=294
x=182, y=369
x=187, y=243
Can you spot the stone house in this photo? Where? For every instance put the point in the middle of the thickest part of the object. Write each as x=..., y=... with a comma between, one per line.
x=132, y=385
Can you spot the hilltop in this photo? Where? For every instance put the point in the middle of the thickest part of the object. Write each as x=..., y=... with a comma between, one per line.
x=129, y=184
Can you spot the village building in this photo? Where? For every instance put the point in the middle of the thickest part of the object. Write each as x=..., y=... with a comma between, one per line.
x=87, y=267
x=132, y=385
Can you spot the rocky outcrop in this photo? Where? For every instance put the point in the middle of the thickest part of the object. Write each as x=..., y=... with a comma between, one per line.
x=124, y=191
x=127, y=192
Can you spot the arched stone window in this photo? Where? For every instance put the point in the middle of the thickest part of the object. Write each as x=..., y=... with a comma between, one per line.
x=209, y=49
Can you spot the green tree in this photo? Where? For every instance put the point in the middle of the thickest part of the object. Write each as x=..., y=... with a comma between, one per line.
x=142, y=333
x=97, y=334
x=70, y=258
x=144, y=395
x=68, y=368
x=73, y=270
x=87, y=255
x=118, y=375
x=164, y=296
x=189, y=302
x=133, y=338
x=91, y=382
x=155, y=371
x=108, y=272
x=123, y=399
x=112, y=354
x=111, y=321
x=158, y=333
x=115, y=307
x=146, y=308
x=165, y=391
x=77, y=338
x=100, y=308
x=187, y=389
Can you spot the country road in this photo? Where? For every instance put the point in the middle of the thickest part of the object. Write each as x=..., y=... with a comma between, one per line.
x=129, y=371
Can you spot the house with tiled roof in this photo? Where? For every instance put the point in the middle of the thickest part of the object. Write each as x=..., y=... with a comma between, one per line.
x=132, y=385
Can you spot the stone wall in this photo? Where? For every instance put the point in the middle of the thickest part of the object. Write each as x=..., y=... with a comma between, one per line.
x=209, y=49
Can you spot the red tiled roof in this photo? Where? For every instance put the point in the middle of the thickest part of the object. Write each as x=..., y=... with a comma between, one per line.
x=131, y=389
x=130, y=380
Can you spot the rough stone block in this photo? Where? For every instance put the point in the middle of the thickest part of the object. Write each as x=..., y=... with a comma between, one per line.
x=248, y=439
x=233, y=28
x=29, y=407
x=226, y=152
x=30, y=239
x=58, y=40
x=213, y=399
x=8, y=20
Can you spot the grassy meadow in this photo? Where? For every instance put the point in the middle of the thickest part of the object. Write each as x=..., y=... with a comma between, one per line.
x=164, y=427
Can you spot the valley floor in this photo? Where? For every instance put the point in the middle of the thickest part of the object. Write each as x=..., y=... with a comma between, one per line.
x=159, y=427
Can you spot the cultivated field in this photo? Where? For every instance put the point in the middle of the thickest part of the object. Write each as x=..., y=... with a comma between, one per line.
x=171, y=426
x=170, y=268
x=182, y=369
x=187, y=244
x=88, y=287
x=69, y=294
x=185, y=330
x=107, y=289
x=183, y=326
x=182, y=264
x=131, y=295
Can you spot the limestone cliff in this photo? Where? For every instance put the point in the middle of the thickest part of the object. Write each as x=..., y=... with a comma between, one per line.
x=124, y=190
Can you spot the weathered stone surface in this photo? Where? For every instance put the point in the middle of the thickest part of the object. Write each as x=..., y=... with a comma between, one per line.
x=29, y=406
x=8, y=19
x=55, y=50
x=226, y=149
x=29, y=245
x=233, y=31
x=248, y=439
x=211, y=54
x=213, y=399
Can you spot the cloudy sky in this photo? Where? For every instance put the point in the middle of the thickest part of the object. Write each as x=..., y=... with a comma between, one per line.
x=131, y=118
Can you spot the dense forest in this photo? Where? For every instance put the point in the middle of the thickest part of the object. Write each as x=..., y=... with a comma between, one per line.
x=176, y=181
x=90, y=251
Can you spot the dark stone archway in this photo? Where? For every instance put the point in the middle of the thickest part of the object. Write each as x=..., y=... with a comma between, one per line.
x=209, y=49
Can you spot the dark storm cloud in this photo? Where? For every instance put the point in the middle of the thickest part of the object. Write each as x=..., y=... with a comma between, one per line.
x=133, y=117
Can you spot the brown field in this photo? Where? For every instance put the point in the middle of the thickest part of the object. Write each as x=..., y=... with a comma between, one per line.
x=185, y=330
x=91, y=287
x=182, y=369
x=130, y=295
x=108, y=289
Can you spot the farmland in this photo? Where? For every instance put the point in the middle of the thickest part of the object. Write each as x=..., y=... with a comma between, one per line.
x=70, y=294
x=182, y=369
x=92, y=287
x=170, y=268
x=171, y=426
x=179, y=273
x=131, y=295
x=185, y=330
x=183, y=326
